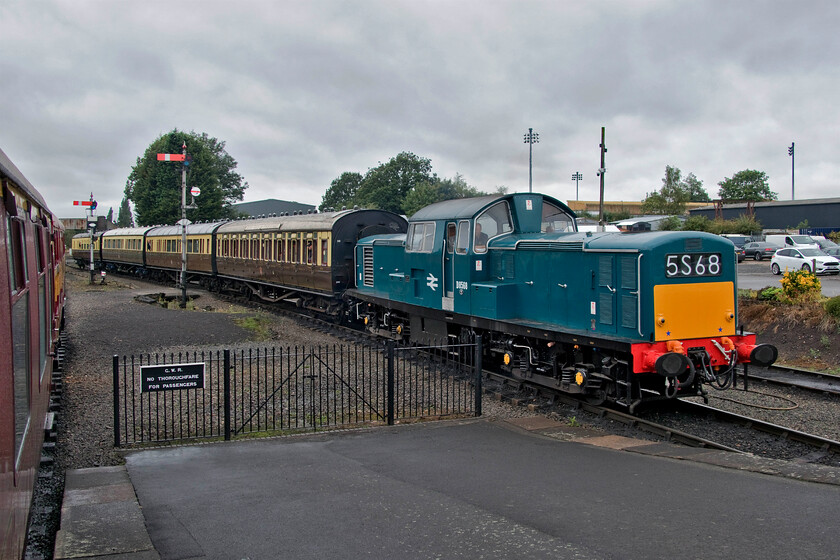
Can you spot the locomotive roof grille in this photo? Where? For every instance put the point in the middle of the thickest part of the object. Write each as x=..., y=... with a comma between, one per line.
x=550, y=245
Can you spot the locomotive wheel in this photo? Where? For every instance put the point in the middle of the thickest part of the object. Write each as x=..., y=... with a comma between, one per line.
x=598, y=398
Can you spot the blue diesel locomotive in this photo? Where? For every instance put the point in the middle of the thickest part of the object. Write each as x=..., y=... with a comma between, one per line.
x=612, y=317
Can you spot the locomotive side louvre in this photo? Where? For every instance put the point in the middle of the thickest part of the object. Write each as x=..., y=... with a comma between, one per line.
x=31, y=285
x=596, y=313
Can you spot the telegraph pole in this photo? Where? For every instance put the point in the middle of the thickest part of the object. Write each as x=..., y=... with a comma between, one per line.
x=601, y=171
x=791, y=154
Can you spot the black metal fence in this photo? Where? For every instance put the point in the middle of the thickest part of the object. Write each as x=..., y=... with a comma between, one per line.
x=267, y=391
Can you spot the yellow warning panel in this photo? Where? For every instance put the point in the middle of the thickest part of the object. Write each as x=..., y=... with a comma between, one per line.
x=683, y=311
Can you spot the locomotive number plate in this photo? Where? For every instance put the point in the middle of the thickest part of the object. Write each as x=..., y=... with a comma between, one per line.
x=692, y=265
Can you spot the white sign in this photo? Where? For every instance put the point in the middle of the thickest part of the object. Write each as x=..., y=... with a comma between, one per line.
x=432, y=282
x=195, y=191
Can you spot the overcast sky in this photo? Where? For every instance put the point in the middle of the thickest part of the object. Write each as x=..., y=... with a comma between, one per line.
x=303, y=91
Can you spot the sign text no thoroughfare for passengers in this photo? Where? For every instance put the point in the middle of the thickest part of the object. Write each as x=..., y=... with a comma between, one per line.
x=172, y=377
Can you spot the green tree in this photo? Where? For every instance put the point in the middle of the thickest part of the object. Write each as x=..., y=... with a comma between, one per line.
x=419, y=197
x=124, y=218
x=673, y=196
x=386, y=186
x=110, y=217
x=154, y=187
x=746, y=185
x=342, y=191
x=696, y=192
x=444, y=189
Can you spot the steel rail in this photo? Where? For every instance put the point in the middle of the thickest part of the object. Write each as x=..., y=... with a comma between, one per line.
x=821, y=443
x=808, y=380
x=665, y=432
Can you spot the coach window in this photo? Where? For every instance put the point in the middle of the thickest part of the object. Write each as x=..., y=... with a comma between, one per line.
x=462, y=240
x=43, y=297
x=324, y=252
x=492, y=222
x=16, y=253
x=310, y=252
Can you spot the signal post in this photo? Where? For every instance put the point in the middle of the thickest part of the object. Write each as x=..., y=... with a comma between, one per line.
x=182, y=157
x=90, y=205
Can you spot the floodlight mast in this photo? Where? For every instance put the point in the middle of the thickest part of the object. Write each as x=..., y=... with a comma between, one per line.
x=531, y=138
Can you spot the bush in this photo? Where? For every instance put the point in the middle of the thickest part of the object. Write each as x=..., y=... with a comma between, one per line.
x=770, y=294
x=832, y=307
x=800, y=286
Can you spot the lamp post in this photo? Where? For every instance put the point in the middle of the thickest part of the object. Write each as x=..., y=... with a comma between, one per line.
x=531, y=138
x=791, y=154
x=577, y=177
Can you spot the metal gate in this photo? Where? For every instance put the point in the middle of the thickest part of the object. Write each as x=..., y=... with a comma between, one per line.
x=269, y=391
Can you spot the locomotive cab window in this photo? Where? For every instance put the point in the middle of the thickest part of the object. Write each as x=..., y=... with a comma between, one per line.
x=462, y=239
x=492, y=222
x=421, y=237
x=555, y=219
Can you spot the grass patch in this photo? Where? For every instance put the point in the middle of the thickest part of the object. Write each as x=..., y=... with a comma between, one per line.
x=259, y=325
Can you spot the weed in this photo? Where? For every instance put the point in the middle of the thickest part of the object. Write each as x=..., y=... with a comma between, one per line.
x=258, y=324
x=573, y=422
x=825, y=341
x=813, y=353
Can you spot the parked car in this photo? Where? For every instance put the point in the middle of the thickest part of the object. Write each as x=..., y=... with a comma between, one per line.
x=798, y=241
x=823, y=242
x=759, y=250
x=805, y=259
x=739, y=252
x=832, y=251
x=738, y=239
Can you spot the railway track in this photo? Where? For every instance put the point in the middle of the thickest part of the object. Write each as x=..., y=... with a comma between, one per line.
x=685, y=422
x=690, y=423
x=793, y=377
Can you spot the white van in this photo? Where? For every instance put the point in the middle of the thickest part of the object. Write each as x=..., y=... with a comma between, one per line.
x=798, y=241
